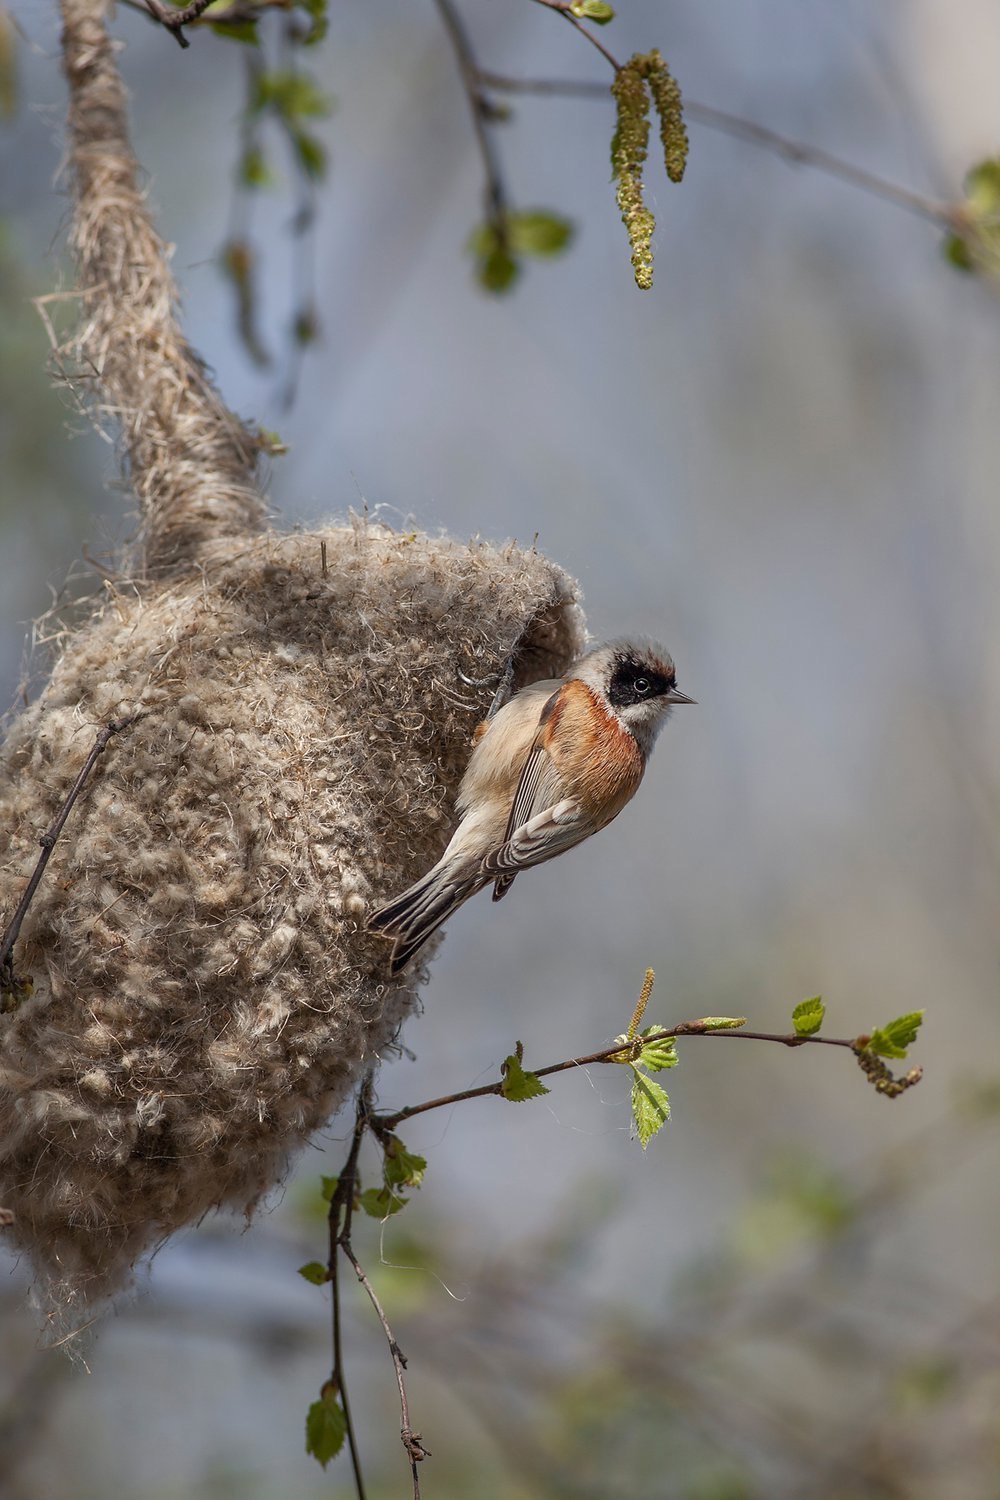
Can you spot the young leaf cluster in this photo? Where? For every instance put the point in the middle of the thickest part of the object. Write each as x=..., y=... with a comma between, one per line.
x=400, y=1169
x=643, y=79
x=239, y=23
x=808, y=1016
x=597, y=11
x=974, y=243
x=501, y=245
x=291, y=97
x=894, y=1039
x=650, y=1103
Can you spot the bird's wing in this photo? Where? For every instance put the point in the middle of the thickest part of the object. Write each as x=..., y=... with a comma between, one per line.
x=549, y=832
x=542, y=836
x=533, y=789
x=542, y=822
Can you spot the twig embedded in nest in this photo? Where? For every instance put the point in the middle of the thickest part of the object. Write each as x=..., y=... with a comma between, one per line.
x=48, y=843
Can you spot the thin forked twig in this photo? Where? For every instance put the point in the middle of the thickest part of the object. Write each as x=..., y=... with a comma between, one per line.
x=415, y=1450
x=482, y=110
x=627, y=1049
x=753, y=134
x=339, y=1220
x=476, y=79
x=48, y=843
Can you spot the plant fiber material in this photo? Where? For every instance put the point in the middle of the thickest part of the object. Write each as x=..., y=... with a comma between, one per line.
x=191, y=463
x=205, y=993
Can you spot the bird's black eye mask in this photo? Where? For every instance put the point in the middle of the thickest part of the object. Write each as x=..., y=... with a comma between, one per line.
x=637, y=682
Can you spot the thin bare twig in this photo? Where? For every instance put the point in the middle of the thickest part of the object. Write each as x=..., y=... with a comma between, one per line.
x=562, y=8
x=174, y=19
x=482, y=111
x=753, y=134
x=476, y=79
x=48, y=843
x=415, y=1450
x=339, y=1220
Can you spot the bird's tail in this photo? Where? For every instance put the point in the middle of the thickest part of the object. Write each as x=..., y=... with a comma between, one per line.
x=412, y=917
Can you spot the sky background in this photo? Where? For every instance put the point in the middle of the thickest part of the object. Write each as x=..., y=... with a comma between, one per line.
x=781, y=462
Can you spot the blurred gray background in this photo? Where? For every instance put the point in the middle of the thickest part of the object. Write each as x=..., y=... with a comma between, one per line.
x=782, y=462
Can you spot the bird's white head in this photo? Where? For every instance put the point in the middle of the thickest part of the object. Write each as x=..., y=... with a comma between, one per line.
x=637, y=681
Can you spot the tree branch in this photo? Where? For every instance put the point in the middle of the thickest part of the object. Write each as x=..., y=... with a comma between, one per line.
x=415, y=1450
x=341, y=1209
x=340, y=1219
x=475, y=79
x=616, y=1052
x=562, y=8
x=481, y=108
x=795, y=152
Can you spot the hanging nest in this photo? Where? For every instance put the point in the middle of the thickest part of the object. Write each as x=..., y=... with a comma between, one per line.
x=204, y=993
x=192, y=991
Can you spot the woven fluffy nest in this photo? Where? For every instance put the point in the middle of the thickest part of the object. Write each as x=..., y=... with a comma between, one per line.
x=205, y=994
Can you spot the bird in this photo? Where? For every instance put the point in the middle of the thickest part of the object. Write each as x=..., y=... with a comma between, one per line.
x=552, y=766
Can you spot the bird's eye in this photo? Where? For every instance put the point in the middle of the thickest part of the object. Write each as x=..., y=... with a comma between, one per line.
x=641, y=685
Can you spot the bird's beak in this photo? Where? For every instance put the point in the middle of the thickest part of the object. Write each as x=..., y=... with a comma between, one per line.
x=676, y=696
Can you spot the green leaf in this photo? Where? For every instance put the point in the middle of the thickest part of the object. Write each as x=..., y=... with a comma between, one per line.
x=537, y=232
x=722, y=1023
x=657, y=1054
x=237, y=262
x=982, y=187
x=955, y=249
x=894, y=1039
x=316, y=11
x=305, y=326
x=497, y=268
x=592, y=10
x=381, y=1203
x=310, y=154
x=272, y=442
x=807, y=1017
x=498, y=271
x=254, y=169
x=402, y=1168
x=650, y=1107
x=315, y=1272
x=518, y=1084
x=326, y=1428
x=291, y=95
x=328, y=1186
x=483, y=240
x=237, y=31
